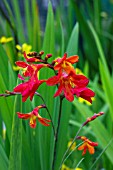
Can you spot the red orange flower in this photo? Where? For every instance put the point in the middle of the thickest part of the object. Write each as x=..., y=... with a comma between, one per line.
x=71, y=84
x=65, y=63
x=29, y=87
x=87, y=145
x=33, y=116
x=29, y=69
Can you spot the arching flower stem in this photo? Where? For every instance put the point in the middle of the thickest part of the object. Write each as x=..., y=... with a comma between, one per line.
x=36, y=93
x=70, y=146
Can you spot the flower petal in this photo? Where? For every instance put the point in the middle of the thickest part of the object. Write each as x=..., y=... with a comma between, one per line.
x=81, y=147
x=84, y=93
x=59, y=91
x=72, y=59
x=43, y=121
x=21, y=64
x=85, y=149
x=53, y=80
x=68, y=93
x=91, y=149
x=24, y=116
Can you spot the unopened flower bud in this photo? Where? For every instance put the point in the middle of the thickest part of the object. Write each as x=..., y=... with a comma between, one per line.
x=31, y=54
x=93, y=118
x=48, y=56
x=41, y=53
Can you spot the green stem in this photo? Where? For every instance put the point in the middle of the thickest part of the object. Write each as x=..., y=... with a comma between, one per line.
x=48, y=113
x=57, y=133
x=63, y=159
x=71, y=153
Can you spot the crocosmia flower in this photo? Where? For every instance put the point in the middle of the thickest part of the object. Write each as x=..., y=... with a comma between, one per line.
x=87, y=145
x=64, y=82
x=65, y=63
x=71, y=84
x=33, y=116
x=28, y=88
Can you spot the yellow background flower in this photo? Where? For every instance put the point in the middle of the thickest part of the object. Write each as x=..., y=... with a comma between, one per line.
x=4, y=39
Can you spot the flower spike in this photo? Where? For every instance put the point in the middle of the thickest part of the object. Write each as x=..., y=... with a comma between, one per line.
x=92, y=118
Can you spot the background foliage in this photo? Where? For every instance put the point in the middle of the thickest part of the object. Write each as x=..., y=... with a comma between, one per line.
x=84, y=28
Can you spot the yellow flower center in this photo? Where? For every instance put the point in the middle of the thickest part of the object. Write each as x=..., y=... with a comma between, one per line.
x=32, y=119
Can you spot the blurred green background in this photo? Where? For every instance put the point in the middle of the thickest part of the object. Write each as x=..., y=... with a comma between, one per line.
x=83, y=27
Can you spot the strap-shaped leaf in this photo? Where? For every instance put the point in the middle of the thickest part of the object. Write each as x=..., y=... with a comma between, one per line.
x=16, y=138
x=72, y=47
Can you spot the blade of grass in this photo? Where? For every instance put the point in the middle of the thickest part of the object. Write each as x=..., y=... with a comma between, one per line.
x=28, y=19
x=16, y=138
x=18, y=20
x=4, y=62
x=10, y=14
x=107, y=85
x=36, y=26
x=48, y=47
x=101, y=154
x=99, y=46
x=12, y=77
x=97, y=17
x=88, y=40
x=49, y=41
x=72, y=46
x=62, y=40
x=6, y=107
x=3, y=159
